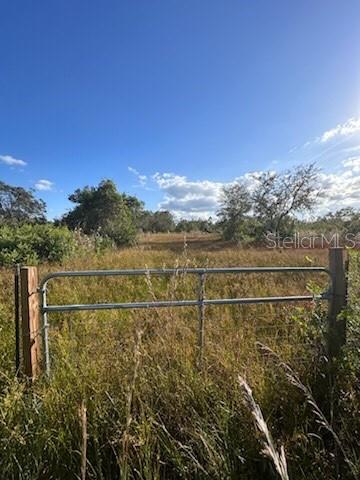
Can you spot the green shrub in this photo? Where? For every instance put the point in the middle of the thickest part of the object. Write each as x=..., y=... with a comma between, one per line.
x=120, y=230
x=34, y=244
x=104, y=211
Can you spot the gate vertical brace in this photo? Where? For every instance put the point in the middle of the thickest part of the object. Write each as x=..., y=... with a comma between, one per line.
x=45, y=328
x=338, y=300
x=201, y=339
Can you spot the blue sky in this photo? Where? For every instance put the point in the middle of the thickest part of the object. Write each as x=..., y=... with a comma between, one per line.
x=190, y=95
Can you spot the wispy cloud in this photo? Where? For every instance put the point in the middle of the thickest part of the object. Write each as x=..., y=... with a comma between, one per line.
x=353, y=163
x=12, y=161
x=353, y=149
x=44, y=185
x=350, y=127
x=142, y=179
x=330, y=139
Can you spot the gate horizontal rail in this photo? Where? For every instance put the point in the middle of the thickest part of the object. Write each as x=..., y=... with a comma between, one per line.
x=200, y=302
x=177, y=303
x=172, y=271
x=180, y=303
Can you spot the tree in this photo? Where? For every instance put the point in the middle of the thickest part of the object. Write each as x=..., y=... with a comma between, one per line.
x=18, y=205
x=195, y=225
x=135, y=206
x=343, y=221
x=234, y=207
x=160, y=221
x=103, y=210
x=278, y=196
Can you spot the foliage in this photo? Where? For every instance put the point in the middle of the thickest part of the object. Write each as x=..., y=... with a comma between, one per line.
x=34, y=243
x=206, y=226
x=279, y=195
x=18, y=205
x=235, y=204
x=343, y=221
x=104, y=210
x=273, y=201
x=135, y=206
x=157, y=222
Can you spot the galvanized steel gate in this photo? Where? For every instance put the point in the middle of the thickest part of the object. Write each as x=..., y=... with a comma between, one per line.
x=335, y=294
x=200, y=302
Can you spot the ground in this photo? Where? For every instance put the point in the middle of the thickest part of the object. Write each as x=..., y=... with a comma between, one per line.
x=127, y=397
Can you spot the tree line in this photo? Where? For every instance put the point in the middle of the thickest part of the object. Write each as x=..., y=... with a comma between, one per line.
x=271, y=202
x=98, y=210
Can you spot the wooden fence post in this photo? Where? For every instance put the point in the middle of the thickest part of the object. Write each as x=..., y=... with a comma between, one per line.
x=17, y=317
x=337, y=326
x=30, y=322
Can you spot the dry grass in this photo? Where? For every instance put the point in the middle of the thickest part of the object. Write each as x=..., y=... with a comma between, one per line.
x=150, y=412
x=269, y=449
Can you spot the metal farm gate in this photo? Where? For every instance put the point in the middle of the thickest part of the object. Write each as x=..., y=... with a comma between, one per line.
x=35, y=309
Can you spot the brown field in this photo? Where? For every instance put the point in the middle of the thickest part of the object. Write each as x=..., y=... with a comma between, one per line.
x=151, y=413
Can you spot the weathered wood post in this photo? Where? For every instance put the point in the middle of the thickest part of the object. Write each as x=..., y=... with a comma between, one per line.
x=337, y=326
x=30, y=322
x=17, y=317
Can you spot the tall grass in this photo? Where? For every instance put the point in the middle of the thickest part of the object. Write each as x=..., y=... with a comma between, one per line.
x=126, y=399
x=269, y=449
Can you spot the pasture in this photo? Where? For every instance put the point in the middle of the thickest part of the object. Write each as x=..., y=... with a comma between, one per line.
x=126, y=398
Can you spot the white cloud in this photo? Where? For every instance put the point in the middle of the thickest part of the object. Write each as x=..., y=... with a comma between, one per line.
x=194, y=199
x=353, y=163
x=142, y=179
x=44, y=185
x=186, y=198
x=201, y=198
x=341, y=130
x=340, y=189
x=14, y=162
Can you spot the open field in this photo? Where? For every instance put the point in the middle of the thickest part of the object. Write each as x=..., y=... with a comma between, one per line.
x=126, y=398
x=177, y=242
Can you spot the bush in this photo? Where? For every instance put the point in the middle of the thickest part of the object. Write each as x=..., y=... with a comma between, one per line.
x=34, y=244
x=104, y=211
x=120, y=230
